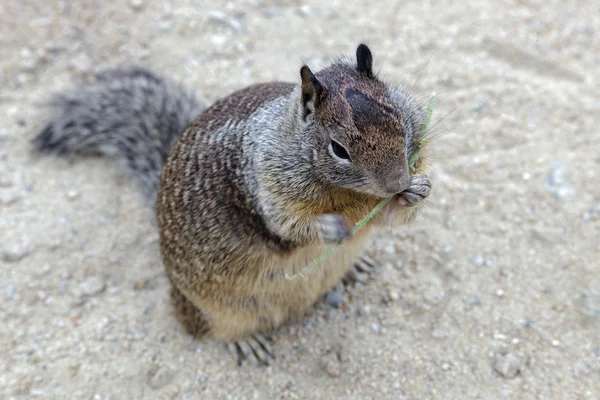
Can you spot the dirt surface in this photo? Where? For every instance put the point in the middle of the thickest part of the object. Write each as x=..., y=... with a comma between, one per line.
x=493, y=294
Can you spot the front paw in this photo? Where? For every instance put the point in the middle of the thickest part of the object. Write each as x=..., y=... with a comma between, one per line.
x=418, y=189
x=332, y=228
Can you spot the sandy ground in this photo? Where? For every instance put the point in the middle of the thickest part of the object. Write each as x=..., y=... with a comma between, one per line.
x=493, y=294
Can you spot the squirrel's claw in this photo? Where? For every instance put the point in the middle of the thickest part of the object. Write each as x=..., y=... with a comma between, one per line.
x=256, y=348
x=361, y=270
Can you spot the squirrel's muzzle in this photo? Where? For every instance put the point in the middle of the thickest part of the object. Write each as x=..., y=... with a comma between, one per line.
x=397, y=183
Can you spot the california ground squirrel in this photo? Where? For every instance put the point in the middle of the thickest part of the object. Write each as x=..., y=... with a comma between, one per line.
x=257, y=185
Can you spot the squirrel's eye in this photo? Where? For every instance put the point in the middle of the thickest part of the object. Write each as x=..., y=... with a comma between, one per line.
x=338, y=150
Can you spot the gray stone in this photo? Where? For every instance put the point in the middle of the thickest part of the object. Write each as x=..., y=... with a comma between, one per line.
x=92, y=286
x=556, y=183
x=393, y=295
x=159, y=376
x=10, y=292
x=334, y=298
x=507, y=365
x=15, y=252
x=81, y=63
x=274, y=12
x=305, y=11
x=375, y=327
x=227, y=20
x=331, y=364
x=479, y=259
x=8, y=197
x=137, y=4
x=72, y=194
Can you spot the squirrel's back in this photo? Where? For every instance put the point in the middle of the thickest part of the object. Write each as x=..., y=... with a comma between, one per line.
x=207, y=169
x=130, y=113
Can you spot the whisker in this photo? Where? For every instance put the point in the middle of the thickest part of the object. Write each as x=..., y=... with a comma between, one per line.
x=385, y=58
x=436, y=124
x=438, y=135
x=410, y=91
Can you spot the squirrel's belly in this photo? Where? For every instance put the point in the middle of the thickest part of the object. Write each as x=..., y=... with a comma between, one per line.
x=297, y=294
x=275, y=299
x=279, y=300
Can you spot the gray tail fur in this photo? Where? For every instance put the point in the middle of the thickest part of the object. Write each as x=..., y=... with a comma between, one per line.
x=131, y=114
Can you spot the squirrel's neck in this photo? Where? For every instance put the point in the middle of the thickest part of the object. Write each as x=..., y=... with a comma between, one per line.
x=282, y=179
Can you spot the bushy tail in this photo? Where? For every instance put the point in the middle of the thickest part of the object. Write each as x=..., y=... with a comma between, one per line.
x=131, y=114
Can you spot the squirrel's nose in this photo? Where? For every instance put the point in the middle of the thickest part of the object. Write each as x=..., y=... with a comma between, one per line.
x=397, y=184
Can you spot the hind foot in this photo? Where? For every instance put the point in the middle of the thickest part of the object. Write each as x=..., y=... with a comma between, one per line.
x=361, y=270
x=256, y=349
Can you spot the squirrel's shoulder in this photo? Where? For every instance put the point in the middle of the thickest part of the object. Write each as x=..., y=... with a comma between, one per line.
x=240, y=104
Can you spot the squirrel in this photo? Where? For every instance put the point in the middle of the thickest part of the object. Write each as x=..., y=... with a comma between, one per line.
x=251, y=189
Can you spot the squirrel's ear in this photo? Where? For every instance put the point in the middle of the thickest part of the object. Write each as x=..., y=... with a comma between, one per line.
x=313, y=93
x=364, y=60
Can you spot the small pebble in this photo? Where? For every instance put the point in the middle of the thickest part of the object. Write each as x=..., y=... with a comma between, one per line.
x=478, y=259
x=364, y=310
x=555, y=343
x=393, y=295
x=375, y=327
x=137, y=4
x=274, y=12
x=305, y=10
x=227, y=20
x=9, y=197
x=439, y=334
x=341, y=354
x=507, y=365
x=473, y=300
x=15, y=252
x=500, y=293
x=480, y=105
x=589, y=214
x=159, y=377
x=10, y=292
x=72, y=194
x=434, y=294
x=557, y=183
x=594, y=287
x=334, y=298
x=92, y=286
x=81, y=63
x=331, y=364
x=390, y=248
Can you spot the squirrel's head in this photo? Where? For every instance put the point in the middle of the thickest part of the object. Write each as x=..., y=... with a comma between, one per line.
x=362, y=131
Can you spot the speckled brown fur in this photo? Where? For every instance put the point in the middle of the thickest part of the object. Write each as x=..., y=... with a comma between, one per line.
x=243, y=187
